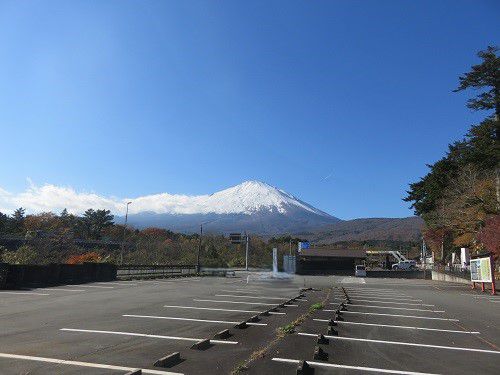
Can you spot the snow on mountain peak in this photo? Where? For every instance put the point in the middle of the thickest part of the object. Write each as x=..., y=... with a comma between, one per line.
x=253, y=196
x=246, y=198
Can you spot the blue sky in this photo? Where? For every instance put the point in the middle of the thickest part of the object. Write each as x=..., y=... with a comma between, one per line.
x=339, y=103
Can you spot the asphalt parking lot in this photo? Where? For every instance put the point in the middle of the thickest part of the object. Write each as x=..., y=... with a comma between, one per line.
x=389, y=326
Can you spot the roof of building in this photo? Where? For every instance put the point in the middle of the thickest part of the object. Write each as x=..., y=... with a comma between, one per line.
x=331, y=252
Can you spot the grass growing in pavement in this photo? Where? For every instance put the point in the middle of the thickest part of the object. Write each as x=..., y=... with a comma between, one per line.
x=289, y=328
x=240, y=368
x=316, y=306
x=281, y=333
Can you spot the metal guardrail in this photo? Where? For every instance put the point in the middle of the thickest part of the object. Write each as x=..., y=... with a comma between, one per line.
x=132, y=271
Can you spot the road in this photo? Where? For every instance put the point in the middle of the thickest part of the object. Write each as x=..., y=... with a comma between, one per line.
x=390, y=325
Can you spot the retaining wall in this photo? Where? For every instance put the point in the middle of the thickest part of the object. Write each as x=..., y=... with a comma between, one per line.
x=55, y=274
x=417, y=274
x=446, y=277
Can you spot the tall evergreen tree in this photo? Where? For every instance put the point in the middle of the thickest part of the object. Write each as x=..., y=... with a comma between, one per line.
x=17, y=220
x=95, y=221
x=486, y=77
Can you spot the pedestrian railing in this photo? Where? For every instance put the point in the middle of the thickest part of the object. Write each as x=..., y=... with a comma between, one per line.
x=133, y=271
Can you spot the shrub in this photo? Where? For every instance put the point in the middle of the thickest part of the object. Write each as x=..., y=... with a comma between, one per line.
x=23, y=255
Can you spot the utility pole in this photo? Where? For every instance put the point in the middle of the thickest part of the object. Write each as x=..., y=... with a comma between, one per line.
x=198, y=266
x=124, y=232
x=290, y=245
x=246, y=251
x=424, y=256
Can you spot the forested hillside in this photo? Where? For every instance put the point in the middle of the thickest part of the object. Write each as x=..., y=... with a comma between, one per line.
x=406, y=229
x=94, y=237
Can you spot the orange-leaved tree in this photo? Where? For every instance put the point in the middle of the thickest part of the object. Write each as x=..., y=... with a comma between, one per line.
x=90, y=257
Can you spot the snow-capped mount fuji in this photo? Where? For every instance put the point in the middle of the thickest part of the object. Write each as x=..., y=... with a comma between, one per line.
x=252, y=206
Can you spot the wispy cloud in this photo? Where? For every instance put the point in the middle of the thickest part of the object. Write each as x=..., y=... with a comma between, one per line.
x=328, y=176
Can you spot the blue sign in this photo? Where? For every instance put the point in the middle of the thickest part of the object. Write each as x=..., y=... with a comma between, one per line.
x=303, y=245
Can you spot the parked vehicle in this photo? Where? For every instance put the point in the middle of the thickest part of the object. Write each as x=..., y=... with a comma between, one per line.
x=405, y=265
x=360, y=271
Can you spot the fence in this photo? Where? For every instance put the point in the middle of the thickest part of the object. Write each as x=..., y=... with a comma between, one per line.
x=155, y=271
x=17, y=275
x=289, y=264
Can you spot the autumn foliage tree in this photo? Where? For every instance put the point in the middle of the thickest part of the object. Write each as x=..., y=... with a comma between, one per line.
x=90, y=257
x=461, y=191
x=489, y=236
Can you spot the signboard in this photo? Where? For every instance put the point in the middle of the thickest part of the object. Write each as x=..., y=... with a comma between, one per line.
x=480, y=270
x=303, y=245
x=464, y=256
x=235, y=238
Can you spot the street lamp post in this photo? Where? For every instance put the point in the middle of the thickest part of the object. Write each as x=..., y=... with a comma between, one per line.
x=198, y=266
x=124, y=232
x=246, y=251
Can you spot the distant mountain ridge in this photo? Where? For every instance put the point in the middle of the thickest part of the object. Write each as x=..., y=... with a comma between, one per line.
x=396, y=229
x=253, y=206
x=262, y=209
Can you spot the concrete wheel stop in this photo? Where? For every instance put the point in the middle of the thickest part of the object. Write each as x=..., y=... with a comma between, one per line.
x=304, y=369
x=202, y=345
x=169, y=360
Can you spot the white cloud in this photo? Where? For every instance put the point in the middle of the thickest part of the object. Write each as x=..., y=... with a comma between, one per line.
x=52, y=198
x=244, y=198
x=55, y=198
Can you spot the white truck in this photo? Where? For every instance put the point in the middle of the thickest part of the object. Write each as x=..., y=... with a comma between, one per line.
x=405, y=265
x=360, y=271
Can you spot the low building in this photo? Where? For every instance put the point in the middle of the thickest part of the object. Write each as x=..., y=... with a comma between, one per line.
x=326, y=260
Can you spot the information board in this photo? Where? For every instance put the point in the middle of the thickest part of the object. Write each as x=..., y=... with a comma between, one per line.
x=480, y=270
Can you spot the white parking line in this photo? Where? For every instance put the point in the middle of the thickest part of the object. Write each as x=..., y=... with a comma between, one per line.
x=84, y=364
x=28, y=293
x=244, y=290
x=490, y=297
x=374, y=289
x=380, y=293
x=147, y=335
x=431, y=284
x=254, y=297
x=359, y=368
x=239, y=291
x=215, y=309
x=192, y=320
x=384, y=298
x=377, y=295
x=62, y=290
x=353, y=280
x=404, y=343
x=402, y=327
x=393, y=308
x=396, y=315
x=241, y=302
x=93, y=286
x=393, y=303
x=118, y=283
